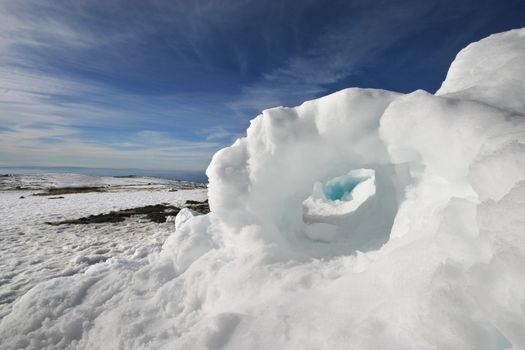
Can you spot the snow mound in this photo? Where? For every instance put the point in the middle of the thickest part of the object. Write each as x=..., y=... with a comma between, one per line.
x=364, y=219
x=264, y=179
x=490, y=71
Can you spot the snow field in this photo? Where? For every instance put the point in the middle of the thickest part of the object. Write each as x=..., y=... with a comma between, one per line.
x=33, y=251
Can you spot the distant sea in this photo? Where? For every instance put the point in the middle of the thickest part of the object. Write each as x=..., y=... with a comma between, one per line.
x=195, y=176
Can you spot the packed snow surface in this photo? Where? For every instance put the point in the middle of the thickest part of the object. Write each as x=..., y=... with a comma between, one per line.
x=430, y=255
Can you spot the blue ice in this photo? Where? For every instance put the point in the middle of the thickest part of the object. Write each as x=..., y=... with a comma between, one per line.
x=340, y=187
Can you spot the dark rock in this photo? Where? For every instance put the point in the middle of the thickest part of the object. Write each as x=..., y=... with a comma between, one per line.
x=155, y=213
x=69, y=190
x=200, y=207
x=189, y=201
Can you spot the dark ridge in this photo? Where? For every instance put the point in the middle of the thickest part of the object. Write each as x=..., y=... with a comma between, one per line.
x=189, y=201
x=69, y=190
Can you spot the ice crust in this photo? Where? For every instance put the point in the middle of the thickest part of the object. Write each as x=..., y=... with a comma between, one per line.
x=432, y=260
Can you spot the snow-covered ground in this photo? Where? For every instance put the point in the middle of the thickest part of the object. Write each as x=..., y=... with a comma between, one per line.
x=365, y=219
x=33, y=251
x=53, y=180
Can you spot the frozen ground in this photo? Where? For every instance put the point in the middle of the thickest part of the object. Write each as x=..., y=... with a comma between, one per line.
x=32, y=251
x=363, y=220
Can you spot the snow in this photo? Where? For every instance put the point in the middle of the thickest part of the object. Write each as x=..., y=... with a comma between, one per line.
x=33, y=251
x=490, y=71
x=426, y=251
x=55, y=180
x=184, y=215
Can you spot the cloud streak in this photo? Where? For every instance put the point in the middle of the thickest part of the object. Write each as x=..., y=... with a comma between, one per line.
x=60, y=147
x=339, y=51
x=47, y=115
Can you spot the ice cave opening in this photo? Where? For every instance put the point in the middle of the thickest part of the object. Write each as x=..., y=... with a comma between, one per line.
x=336, y=212
x=340, y=196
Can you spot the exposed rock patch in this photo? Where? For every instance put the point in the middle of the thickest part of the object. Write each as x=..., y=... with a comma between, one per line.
x=70, y=190
x=155, y=213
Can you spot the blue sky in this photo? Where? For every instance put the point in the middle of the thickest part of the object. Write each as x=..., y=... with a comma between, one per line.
x=164, y=84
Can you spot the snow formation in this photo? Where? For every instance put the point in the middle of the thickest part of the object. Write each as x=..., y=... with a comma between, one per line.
x=430, y=255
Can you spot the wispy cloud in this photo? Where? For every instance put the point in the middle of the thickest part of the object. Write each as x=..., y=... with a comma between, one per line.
x=61, y=147
x=47, y=114
x=341, y=50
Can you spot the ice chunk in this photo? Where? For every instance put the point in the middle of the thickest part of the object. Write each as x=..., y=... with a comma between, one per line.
x=184, y=215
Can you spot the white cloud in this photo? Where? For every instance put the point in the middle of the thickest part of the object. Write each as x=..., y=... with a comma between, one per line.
x=61, y=147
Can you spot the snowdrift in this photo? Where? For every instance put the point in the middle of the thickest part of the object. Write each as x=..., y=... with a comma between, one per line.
x=365, y=219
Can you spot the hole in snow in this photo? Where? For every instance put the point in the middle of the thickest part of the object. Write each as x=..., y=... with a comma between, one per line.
x=339, y=196
x=352, y=212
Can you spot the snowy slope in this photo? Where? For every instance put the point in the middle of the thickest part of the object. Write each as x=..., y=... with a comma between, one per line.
x=417, y=241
